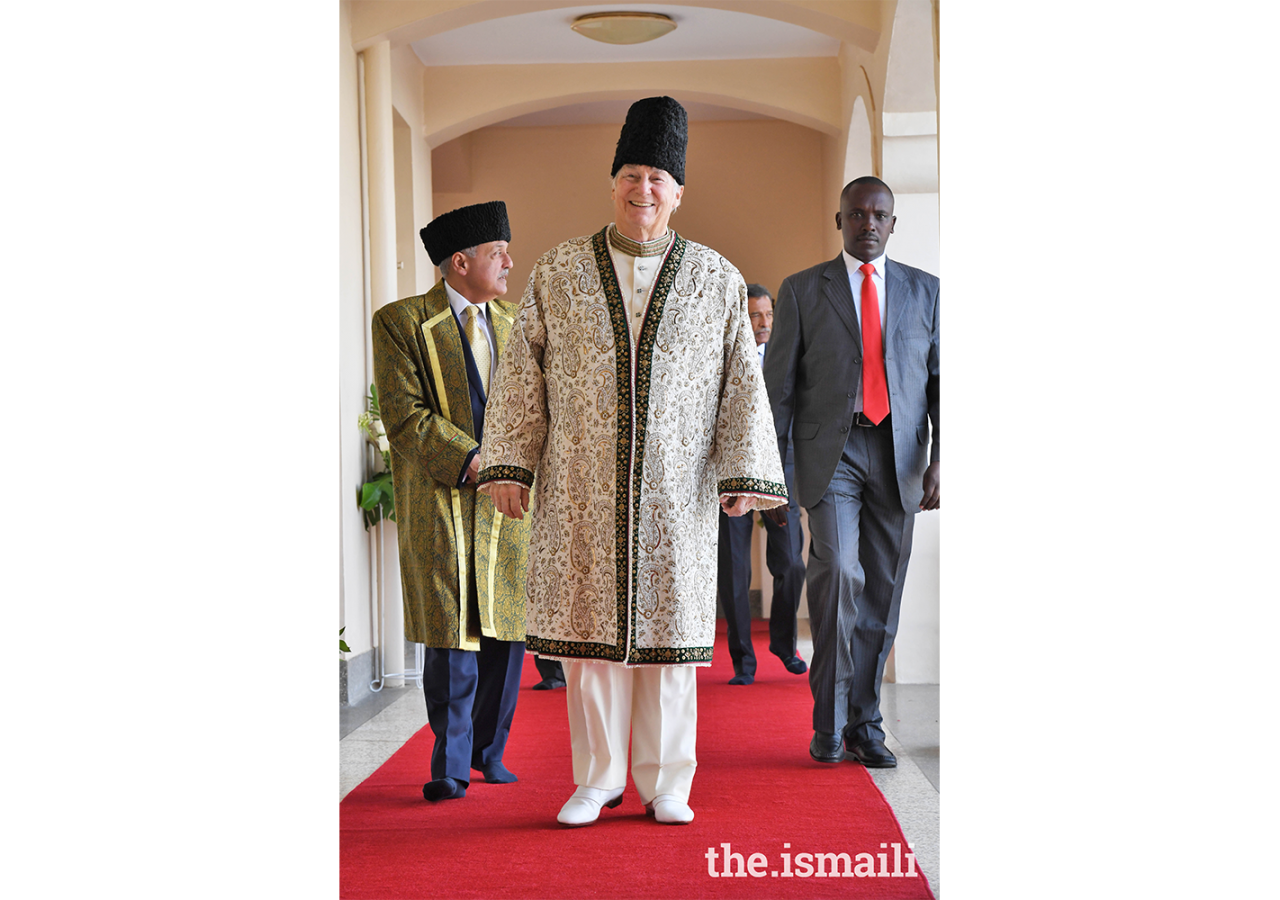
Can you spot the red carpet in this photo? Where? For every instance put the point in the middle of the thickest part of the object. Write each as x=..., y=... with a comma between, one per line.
x=756, y=790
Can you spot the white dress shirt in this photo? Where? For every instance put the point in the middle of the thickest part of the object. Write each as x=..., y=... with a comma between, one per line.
x=459, y=305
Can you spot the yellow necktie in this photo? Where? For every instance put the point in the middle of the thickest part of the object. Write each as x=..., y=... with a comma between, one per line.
x=479, y=345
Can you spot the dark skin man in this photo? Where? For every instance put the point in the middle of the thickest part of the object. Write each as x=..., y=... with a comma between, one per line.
x=865, y=221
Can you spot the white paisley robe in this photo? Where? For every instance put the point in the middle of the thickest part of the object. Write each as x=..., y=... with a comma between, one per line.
x=631, y=448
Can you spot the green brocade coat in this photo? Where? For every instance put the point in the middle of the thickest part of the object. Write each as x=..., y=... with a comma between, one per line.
x=450, y=537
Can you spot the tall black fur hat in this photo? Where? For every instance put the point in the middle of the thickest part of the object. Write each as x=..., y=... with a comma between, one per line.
x=655, y=134
x=465, y=227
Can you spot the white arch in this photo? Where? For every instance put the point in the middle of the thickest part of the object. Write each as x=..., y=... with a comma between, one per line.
x=909, y=152
x=859, y=155
x=803, y=91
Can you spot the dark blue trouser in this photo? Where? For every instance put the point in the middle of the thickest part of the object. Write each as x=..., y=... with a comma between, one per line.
x=471, y=700
x=733, y=580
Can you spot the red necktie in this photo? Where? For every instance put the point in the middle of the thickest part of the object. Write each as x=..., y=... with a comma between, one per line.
x=875, y=393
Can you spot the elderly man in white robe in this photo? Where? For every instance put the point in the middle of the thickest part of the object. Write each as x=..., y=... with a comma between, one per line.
x=631, y=392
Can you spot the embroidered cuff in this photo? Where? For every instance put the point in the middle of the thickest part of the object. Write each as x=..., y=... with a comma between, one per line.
x=506, y=473
x=751, y=486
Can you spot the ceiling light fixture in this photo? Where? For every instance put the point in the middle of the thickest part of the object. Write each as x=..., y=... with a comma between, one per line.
x=623, y=27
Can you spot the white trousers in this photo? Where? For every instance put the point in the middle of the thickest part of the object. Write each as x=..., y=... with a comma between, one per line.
x=656, y=706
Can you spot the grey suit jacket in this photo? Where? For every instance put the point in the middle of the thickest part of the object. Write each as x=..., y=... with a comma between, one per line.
x=814, y=365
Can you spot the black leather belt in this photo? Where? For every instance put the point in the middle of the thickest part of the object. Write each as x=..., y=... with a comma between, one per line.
x=861, y=420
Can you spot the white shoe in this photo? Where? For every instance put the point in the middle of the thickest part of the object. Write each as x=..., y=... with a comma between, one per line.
x=669, y=811
x=583, y=807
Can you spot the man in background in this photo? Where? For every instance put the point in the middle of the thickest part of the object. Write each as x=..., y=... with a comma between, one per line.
x=782, y=553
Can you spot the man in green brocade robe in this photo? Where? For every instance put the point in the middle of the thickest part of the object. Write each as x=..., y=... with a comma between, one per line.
x=462, y=566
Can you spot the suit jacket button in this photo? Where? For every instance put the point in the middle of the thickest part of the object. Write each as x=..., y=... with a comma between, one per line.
x=849, y=395
x=857, y=362
x=844, y=429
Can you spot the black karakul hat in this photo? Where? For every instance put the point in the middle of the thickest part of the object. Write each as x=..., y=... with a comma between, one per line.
x=655, y=134
x=465, y=227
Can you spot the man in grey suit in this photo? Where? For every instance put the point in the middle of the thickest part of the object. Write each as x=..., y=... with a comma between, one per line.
x=852, y=373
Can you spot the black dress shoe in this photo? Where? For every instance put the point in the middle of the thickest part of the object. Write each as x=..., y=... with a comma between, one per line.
x=444, y=789
x=795, y=665
x=826, y=748
x=742, y=679
x=872, y=753
x=548, y=684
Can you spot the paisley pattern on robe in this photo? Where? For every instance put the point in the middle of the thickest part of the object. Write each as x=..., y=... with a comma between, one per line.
x=632, y=447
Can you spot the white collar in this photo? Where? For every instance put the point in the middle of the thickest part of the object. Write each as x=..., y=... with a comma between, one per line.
x=853, y=264
x=460, y=303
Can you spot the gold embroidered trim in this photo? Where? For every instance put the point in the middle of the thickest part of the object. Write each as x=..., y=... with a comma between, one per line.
x=436, y=372
x=644, y=371
x=505, y=473
x=631, y=434
x=572, y=649
x=493, y=565
x=459, y=541
x=643, y=249
x=622, y=456
x=752, y=486
x=668, y=655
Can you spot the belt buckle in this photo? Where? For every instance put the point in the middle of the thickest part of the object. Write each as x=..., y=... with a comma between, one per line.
x=862, y=421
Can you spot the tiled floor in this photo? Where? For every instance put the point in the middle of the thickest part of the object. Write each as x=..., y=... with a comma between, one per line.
x=377, y=728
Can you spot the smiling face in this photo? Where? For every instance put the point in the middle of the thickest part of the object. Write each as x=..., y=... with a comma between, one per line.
x=760, y=309
x=482, y=277
x=643, y=199
x=866, y=220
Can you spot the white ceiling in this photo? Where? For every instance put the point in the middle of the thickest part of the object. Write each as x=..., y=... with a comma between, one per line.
x=545, y=37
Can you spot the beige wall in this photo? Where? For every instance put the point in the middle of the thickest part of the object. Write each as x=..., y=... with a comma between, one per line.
x=753, y=190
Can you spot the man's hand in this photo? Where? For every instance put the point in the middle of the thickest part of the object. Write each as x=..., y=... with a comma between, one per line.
x=473, y=469
x=932, y=487
x=776, y=514
x=736, y=506
x=512, y=500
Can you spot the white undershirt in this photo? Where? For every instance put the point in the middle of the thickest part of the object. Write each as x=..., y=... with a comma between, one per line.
x=636, y=275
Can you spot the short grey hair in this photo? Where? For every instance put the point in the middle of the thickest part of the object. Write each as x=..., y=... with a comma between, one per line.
x=446, y=264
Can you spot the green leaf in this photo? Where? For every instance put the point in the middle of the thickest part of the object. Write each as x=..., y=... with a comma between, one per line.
x=342, y=646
